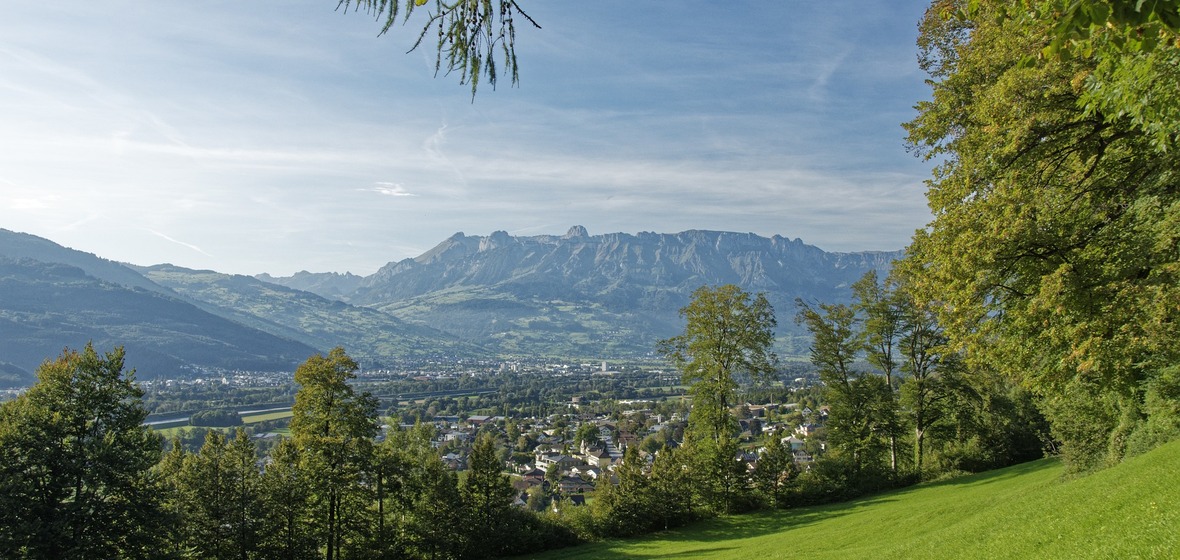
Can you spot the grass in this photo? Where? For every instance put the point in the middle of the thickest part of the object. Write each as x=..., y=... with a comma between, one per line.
x=170, y=431
x=1025, y=511
x=255, y=418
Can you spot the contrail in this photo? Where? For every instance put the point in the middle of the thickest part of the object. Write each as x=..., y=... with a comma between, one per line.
x=189, y=245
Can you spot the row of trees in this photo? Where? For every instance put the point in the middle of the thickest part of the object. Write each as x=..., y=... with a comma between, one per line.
x=81, y=477
x=893, y=384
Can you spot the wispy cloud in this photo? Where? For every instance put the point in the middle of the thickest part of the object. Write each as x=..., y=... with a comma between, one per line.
x=244, y=130
x=391, y=189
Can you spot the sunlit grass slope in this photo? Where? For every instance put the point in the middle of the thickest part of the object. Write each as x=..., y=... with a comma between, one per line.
x=1026, y=511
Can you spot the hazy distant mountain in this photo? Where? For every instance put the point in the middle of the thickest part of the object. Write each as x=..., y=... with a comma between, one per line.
x=12, y=376
x=369, y=335
x=579, y=294
x=331, y=285
x=16, y=245
x=47, y=306
x=574, y=295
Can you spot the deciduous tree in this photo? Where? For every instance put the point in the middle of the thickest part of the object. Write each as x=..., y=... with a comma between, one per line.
x=727, y=338
x=76, y=464
x=333, y=429
x=1053, y=252
x=862, y=410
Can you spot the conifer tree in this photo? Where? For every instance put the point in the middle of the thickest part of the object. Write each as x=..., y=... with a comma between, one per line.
x=487, y=501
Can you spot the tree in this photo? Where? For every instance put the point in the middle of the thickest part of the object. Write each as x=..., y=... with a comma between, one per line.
x=287, y=493
x=1134, y=47
x=727, y=338
x=470, y=33
x=882, y=327
x=76, y=463
x=487, y=500
x=625, y=510
x=587, y=435
x=927, y=387
x=417, y=498
x=775, y=471
x=862, y=411
x=333, y=429
x=1052, y=255
x=217, y=500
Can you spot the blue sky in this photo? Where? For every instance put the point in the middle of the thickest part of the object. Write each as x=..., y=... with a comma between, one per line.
x=275, y=136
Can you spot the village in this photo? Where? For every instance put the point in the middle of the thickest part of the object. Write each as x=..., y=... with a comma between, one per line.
x=559, y=459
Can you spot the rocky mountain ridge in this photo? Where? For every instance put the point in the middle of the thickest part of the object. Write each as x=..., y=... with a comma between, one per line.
x=522, y=293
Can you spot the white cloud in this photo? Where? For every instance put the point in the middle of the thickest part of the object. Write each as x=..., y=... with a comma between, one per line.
x=391, y=189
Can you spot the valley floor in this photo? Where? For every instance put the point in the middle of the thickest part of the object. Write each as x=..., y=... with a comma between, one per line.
x=1025, y=511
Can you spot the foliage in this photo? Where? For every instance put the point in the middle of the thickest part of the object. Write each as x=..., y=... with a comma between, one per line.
x=215, y=498
x=727, y=339
x=470, y=33
x=333, y=429
x=218, y=418
x=625, y=510
x=862, y=405
x=1053, y=255
x=75, y=463
x=287, y=492
x=417, y=497
x=883, y=316
x=775, y=473
x=487, y=501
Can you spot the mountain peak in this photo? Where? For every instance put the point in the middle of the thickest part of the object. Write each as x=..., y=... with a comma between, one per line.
x=576, y=231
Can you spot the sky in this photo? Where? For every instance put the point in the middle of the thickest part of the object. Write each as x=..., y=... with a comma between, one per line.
x=285, y=135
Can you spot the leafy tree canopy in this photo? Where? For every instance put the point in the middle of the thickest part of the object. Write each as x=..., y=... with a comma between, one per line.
x=1054, y=252
x=727, y=337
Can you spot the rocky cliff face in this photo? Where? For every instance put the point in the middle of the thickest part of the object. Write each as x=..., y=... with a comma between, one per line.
x=485, y=288
x=615, y=265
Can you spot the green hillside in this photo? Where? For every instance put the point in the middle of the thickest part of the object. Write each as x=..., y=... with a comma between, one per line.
x=1026, y=511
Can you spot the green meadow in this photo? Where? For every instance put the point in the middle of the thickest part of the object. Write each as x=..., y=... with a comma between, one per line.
x=246, y=421
x=1026, y=511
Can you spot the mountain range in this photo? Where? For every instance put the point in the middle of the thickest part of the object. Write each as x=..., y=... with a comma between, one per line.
x=575, y=295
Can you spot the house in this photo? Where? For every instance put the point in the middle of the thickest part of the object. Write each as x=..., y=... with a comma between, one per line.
x=534, y=475
x=573, y=485
x=805, y=430
x=574, y=500
x=454, y=461
x=587, y=472
x=795, y=443
x=479, y=420
x=455, y=435
x=563, y=462
x=627, y=439
x=599, y=458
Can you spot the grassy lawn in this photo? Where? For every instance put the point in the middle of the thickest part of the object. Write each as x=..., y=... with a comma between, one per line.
x=1026, y=511
x=255, y=418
